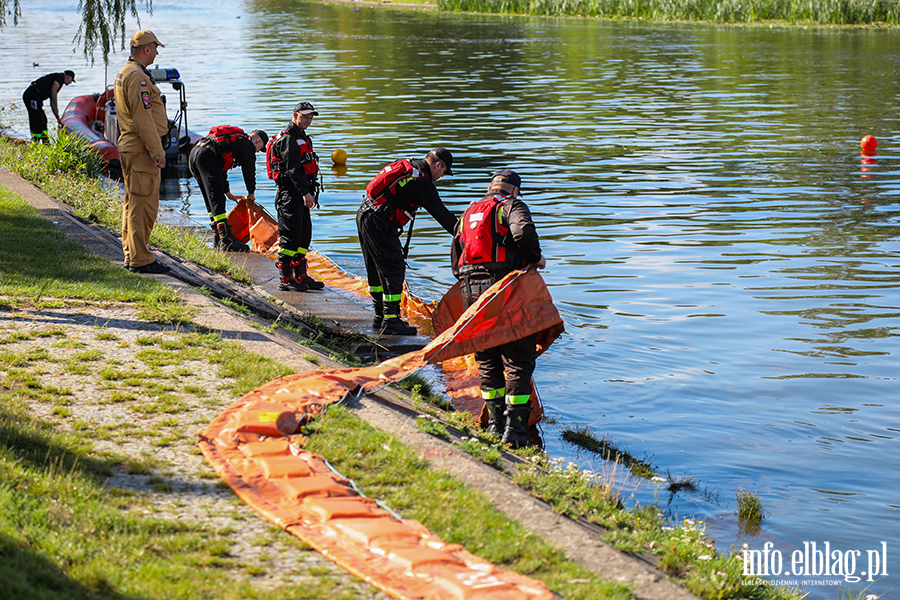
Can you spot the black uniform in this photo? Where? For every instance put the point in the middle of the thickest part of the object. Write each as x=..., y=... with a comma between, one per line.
x=207, y=163
x=504, y=371
x=379, y=236
x=40, y=89
x=295, y=181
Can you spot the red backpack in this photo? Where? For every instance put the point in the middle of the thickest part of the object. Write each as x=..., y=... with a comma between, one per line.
x=482, y=234
x=227, y=134
x=273, y=161
x=389, y=179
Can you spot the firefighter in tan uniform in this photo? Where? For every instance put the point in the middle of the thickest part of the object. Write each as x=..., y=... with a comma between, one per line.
x=142, y=123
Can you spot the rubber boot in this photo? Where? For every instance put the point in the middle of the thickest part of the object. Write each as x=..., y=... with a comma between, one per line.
x=496, y=416
x=392, y=323
x=378, y=319
x=286, y=273
x=217, y=241
x=300, y=274
x=516, y=433
x=227, y=241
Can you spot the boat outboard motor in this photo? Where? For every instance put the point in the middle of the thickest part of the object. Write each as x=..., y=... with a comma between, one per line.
x=111, y=127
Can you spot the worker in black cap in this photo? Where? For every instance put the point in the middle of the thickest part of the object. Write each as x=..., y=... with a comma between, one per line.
x=391, y=201
x=495, y=236
x=44, y=88
x=224, y=148
x=294, y=166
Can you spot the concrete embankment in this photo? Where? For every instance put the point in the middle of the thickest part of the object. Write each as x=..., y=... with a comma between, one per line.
x=390, y=410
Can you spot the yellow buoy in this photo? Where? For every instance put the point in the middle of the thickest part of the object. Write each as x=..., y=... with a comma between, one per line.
x=339, y=157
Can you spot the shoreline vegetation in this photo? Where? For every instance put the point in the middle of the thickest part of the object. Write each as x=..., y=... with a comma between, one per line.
x=815, y=13
x=53, y=443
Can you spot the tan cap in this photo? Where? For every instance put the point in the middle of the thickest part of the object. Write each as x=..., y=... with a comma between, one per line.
x=144, y=37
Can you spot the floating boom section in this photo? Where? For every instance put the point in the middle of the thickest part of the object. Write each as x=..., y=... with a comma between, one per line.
x=252, y=224
x=255, y=445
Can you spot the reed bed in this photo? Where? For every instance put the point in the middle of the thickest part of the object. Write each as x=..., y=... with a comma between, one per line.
x=824, y=12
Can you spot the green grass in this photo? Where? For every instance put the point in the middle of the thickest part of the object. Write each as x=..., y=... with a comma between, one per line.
x=683, y=550
x=65, y=535
x=433, y=427
x=62, y=268
x=66, y=170
x=825, y=12
x=396, y=475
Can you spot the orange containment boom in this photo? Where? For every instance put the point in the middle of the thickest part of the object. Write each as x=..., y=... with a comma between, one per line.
x=255, y=446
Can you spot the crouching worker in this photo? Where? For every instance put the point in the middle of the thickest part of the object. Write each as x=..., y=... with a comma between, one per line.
x=292, y=163
x=494, y=237
x=224, y=148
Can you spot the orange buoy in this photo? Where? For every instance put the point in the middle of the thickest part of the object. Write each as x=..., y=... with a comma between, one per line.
x=868, y=144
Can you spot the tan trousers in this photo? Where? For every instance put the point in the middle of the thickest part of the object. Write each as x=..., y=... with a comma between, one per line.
x=141, y=207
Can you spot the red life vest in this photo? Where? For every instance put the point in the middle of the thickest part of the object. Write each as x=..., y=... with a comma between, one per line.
x=308, y=158
x=387, y=182
x=483, y=238
x=226, y=135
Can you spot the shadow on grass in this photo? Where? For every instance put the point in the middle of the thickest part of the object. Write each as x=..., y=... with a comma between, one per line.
x=37, y=260
x=25, y=573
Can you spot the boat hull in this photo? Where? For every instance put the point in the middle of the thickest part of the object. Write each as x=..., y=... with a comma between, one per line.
x=85, y=116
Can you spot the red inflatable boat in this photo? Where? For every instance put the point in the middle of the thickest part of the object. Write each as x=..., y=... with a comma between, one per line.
x=93, y=118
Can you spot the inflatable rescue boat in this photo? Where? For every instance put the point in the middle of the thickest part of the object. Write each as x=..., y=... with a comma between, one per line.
x=93, y=117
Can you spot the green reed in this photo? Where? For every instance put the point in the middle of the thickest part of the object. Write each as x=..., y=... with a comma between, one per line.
x=825, y=12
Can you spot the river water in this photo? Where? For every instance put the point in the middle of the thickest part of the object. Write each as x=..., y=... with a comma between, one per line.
x=727, y=264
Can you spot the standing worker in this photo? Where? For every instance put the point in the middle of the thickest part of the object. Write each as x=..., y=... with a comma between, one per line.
x=494, y=237
x=292, y=163
x=211, y=157
x=391, y=201
x=142, y=123
x=44, y=88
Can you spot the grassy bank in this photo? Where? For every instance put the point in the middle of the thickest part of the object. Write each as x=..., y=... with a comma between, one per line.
x=78, y=406
x=71, y=174
x=823, y=12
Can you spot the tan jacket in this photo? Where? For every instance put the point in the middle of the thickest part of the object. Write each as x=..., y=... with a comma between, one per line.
x=141, y=113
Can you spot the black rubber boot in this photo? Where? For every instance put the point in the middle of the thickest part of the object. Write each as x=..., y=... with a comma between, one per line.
x=286, y=273
x=496, y=416
x=300, y=274
x=516, y=433
x=378, y=319
x=217, y=241
x=227, y=241
x=392, y=323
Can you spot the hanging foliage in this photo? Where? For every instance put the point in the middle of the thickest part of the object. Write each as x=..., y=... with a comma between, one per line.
x=102, y=23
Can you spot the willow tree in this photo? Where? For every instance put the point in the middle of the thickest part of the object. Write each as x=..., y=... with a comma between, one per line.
x=102, y=22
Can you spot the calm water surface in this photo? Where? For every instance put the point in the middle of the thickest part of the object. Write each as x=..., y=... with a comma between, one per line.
x=727, y=265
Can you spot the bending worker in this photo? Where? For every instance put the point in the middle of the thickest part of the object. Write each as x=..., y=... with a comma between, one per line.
x=44, y=88
x=211, y=157
x=292, y=163
x=391, y=201
x=494, y=237
x=142, y=123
